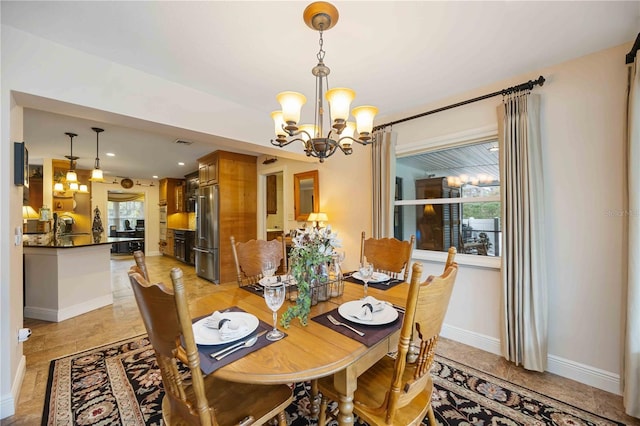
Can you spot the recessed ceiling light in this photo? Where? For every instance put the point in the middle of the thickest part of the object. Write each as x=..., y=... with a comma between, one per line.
x=110, y=154
x=155, y=176
x=180, y=163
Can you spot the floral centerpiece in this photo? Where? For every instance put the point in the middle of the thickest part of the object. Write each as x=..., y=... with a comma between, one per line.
x=311, y=248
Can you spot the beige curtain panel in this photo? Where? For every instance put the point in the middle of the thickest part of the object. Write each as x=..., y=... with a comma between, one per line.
x=631, y=364
x=383, y=160
x=524, y=278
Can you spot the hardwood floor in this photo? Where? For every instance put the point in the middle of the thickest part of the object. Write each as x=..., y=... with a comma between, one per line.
x=122, y=320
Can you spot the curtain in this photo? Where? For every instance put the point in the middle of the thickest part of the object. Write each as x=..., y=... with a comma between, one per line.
x=524, y=280
x=383, y=160
x=631, y=366
x=124, y=196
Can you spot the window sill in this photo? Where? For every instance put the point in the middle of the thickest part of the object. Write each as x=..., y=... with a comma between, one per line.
x=488, y=262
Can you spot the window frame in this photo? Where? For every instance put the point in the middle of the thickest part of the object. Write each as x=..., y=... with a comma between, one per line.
x=454, y=140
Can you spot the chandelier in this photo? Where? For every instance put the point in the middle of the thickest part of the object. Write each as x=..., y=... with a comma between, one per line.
x=322, y=16
x=71, y=178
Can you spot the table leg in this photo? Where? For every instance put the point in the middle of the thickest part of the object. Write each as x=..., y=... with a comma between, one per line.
x=345, y=382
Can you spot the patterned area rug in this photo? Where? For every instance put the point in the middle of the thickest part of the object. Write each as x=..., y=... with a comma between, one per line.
x=120, y=384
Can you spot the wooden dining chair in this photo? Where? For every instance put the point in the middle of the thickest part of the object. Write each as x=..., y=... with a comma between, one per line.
x=388, y=255
x=249, y=256
x=451, y=257
x=393, y=392
x=141, y=264
x=200, y=400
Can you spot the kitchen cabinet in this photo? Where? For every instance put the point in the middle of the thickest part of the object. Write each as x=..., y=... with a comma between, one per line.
x=438, y=225
x=171, y=194
x=35, y=192
x=169, y=246
x=208, y=169
x=192, y=183
x=272, y=194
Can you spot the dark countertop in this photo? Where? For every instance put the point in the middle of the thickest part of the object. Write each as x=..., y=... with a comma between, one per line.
x=74, y=241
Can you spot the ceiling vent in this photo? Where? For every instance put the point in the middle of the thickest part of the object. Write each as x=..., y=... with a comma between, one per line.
x=182, y=142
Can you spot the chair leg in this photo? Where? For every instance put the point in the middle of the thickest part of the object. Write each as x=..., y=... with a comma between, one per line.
x=322, y=418
x=431, y=416
x=315, y=399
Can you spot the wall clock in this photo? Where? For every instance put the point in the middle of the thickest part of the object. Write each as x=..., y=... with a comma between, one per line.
x=126, y=183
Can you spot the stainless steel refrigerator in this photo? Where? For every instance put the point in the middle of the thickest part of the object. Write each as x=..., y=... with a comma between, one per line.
x=207, y=234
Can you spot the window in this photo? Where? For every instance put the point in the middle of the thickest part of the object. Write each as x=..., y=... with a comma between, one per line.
x=451, y=197
x=123, y=209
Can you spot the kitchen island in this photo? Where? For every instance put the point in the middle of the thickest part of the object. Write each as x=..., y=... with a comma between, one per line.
x=68, y=276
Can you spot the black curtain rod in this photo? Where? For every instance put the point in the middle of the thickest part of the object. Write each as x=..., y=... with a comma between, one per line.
x=631, y=56
x=524, y=86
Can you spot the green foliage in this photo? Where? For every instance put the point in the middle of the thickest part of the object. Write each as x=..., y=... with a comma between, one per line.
x=481, y=210
x=312, y=248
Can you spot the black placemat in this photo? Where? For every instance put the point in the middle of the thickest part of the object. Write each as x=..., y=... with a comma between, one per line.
x=372, y=333
x=384, y=285
x=208, y=365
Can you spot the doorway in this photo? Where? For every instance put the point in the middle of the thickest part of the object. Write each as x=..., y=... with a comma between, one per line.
x=274, y=204
x=125, y=218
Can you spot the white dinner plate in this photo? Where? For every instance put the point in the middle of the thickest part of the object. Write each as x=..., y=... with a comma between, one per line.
x=377, y=277
x=385, y=316
x=287, y=279
x=210, y=336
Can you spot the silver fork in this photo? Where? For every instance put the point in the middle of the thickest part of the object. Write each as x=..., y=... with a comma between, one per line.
x=336, y=322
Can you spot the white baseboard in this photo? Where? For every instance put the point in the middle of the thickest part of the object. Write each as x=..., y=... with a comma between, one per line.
x=54, y=315
x=569, y=369
x=9, y=402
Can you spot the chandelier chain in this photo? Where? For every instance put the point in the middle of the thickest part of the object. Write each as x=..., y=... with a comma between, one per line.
x=321, y=52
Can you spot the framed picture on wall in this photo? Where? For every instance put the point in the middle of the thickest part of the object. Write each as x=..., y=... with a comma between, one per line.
x=21, y=165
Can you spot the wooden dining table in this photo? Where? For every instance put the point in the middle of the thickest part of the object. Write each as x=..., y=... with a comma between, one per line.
x=307, y=352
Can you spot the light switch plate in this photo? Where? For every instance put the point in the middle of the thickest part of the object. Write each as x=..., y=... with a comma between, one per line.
x=18, y=235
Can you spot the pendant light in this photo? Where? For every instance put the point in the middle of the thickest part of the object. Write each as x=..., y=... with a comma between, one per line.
x=72, y=177
x=96, y=173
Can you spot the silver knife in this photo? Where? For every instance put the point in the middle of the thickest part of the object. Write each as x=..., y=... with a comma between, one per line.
x=244, y=345
x=235, y=345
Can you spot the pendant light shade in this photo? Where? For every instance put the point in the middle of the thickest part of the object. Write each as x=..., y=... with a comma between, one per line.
x=72, y=177
x=96, y=173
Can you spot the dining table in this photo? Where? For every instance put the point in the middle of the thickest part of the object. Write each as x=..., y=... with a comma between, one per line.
x=308, y=351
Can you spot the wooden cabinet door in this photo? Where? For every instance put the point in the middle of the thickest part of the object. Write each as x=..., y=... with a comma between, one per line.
x=162, y=196
x=168, y=250
x=272, y=194
x=179, y=196
x=208, y=169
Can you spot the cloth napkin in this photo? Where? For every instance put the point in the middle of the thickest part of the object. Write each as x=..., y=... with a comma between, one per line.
x=227, y=328
x=369, y=305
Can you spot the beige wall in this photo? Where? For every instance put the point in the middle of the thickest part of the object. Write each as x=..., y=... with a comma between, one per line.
x=345, y=195
x=583, y=118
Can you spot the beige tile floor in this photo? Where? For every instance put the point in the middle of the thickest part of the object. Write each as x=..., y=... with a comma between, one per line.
x=121, y=320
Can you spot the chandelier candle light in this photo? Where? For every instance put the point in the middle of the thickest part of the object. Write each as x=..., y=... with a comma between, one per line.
x=322, y=16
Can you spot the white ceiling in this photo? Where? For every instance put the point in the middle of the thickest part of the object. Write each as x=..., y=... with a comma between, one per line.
x=395, y=55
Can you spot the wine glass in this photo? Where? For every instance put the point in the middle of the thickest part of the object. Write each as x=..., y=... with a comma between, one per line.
x=274, y=297
x=268, y=268
x=366, y=272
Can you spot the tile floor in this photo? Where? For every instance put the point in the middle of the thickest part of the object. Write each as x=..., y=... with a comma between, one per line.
x=121, y=320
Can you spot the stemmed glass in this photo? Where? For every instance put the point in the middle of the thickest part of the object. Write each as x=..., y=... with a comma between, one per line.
x=274, y=296
x=366, y=272
x=268, y=268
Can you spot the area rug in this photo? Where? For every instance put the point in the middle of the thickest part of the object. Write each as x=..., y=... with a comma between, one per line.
x=120, y=384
